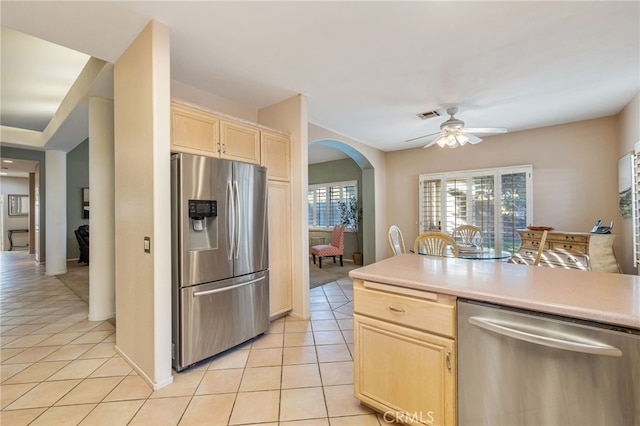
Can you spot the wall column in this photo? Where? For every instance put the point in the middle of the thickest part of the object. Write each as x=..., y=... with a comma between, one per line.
x=56, y=212
x=102, y=298
x=142, y=117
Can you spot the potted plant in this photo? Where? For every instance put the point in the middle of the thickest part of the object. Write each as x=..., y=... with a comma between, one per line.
x=350, y=217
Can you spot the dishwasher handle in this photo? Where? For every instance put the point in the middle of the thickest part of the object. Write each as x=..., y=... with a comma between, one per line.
x=510, y=329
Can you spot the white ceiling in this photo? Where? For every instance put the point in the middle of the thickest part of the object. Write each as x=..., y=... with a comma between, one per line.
x=367, y=68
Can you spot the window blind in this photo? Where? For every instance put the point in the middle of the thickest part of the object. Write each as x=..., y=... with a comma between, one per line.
x=635, y=200
x=324, y=202
x=448, y=200
x=513, y=199
x=430, y=205
x=483, y=211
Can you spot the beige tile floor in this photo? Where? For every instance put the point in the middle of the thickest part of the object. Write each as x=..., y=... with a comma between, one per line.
x=58, y=368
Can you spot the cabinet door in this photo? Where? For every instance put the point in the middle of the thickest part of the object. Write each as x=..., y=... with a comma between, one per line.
x=276, y=155
x=240, y=142
x=280, y=263
x=194, y=131
x=406, y=374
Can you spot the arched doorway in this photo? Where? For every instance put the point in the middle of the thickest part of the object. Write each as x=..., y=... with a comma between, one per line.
x=337, y=171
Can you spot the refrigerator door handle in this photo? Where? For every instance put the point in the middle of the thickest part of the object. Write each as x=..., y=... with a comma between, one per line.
x=231, y=222
x=238, y=215
x=536, y=336
x=219, y=290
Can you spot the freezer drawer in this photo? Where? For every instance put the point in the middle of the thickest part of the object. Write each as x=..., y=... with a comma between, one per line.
x=217, y=316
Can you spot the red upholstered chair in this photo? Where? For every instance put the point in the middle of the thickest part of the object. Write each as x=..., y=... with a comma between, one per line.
x=336, y=248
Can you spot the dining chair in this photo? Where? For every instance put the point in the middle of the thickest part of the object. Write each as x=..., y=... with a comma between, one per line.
x=396, y=242
x=467, y=235
x=434, y=243
x=333, y=249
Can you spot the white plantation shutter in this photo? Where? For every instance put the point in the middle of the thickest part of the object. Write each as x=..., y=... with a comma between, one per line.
x=456, y=203
x=430, y=204
x=483, y=208
x=323, y=202
x=635, y=210
x=334, y=205
x=515, y=199
x=469, y=197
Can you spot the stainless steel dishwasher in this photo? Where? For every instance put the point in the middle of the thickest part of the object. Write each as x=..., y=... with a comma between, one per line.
x=518, y=367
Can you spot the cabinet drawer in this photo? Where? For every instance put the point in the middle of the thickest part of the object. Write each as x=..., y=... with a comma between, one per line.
x=564, y=259
x=569, y=238
x=533, y=244
x=531, y=235
x=420, y=314
x=569, y=246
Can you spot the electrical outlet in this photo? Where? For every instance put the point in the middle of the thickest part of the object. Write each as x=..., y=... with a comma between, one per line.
x=147, y=244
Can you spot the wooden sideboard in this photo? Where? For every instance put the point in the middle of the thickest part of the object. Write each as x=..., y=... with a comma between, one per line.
x=584, y=250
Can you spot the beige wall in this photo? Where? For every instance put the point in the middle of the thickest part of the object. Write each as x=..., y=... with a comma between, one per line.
x=212, y=101
x=142, y=182
x=575, y=176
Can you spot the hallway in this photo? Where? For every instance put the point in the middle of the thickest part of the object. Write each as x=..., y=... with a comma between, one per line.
x=58, y=368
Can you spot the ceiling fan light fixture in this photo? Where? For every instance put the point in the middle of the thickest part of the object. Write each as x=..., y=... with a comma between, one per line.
x=461, y=139
x=452, y=140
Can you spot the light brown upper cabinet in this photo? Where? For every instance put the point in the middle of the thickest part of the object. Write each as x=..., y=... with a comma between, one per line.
x=194, y=131
x=197, y=131
x=239, y=142
x=276, y=155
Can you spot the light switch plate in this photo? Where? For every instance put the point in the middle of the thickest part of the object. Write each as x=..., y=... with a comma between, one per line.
x=147, y=244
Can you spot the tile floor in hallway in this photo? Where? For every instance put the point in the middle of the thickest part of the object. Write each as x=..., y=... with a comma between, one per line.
x=58, y=368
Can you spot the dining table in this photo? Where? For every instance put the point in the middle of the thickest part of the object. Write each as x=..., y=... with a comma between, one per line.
x=476, y=253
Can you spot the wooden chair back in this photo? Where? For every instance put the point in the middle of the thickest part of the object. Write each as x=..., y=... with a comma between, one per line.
x=434, y=243
x=396, y=242
x=468, y=235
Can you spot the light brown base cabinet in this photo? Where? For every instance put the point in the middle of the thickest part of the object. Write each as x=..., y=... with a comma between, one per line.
x=404, y=353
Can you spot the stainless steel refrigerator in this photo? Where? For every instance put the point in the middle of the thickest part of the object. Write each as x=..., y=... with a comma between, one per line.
x=220, y=276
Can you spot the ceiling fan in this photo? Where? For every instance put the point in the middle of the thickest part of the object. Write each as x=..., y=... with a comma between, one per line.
x=453, y=133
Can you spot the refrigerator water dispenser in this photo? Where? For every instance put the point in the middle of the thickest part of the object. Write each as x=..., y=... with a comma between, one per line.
x=203, y=215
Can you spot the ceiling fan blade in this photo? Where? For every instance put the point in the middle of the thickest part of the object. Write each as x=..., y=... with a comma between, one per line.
x=433, y=142
x=473, y=139
x=423, y=137
x=485, y=130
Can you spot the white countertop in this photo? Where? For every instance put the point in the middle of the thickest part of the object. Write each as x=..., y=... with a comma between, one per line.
x=596, y=296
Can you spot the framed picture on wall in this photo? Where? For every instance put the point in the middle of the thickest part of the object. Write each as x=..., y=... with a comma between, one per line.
x=18, y=205
x=85, y=203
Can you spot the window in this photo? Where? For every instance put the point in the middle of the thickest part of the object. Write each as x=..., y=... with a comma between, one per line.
x=498, y=201
x=635, y=201
x=324, y=200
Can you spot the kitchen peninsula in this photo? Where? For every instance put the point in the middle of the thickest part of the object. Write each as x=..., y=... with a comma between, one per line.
x=405, y=322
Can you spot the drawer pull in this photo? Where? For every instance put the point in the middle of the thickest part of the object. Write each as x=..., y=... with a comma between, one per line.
x=394, y=309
